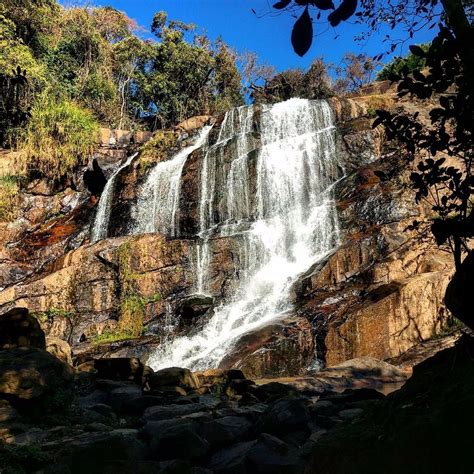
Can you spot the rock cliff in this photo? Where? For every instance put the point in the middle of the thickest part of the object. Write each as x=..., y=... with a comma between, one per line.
x=378, y=293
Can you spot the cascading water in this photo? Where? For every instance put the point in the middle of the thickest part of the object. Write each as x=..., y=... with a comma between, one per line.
x=237, y=124
x=101, y=222
x=284, y=225
x=158, y=200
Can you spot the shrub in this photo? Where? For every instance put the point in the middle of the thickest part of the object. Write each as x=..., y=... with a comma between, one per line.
x=60, y=135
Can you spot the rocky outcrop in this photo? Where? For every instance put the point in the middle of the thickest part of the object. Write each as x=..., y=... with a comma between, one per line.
x=98, y=292
x=378, y=294
x=282, y=348
x=90, y=286
x=27, y=373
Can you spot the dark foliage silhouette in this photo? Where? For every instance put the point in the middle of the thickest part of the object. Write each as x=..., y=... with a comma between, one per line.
x=440, y=147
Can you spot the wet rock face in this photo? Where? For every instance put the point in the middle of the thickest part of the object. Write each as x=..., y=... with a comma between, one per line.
x=89, y=285
x=283, y=348
x=49, y=227
x=85, y=294
x=378, y=294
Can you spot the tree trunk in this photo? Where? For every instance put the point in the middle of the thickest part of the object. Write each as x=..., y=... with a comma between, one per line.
x=464, y=33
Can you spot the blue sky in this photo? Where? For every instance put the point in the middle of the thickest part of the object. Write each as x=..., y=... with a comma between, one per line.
x=268, y=36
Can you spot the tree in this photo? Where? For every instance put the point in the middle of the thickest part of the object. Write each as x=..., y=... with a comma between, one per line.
x=311, y=84
x=227, y=80
x=82, y=62
x=355, y=71
x=184, y=78
x=34, y=22
x=14, y=103
x=394, y=68
x=444, y=149
x=254, y=73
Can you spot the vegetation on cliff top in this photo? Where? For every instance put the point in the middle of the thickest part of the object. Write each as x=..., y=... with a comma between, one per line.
x=64, y=70
x=59, y=135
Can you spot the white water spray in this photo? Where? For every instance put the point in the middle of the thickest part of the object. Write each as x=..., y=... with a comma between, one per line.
x=157, y=206
x=102, y=218
x=290, y=222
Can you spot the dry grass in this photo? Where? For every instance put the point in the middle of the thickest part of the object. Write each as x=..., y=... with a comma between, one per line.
x=59, y=136
x=9, y=198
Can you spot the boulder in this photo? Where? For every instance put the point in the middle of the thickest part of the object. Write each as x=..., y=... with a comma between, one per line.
x=175, y=439
x=273, y=391
x=7, y=412
x=136, y=406
x=284, y=416
x=350, y=413
x=239, y=387
x=27, y=373
x=153, y=429
x=93, y=452
x=227, y=430
x=213, y=377
x=270, y=455
x=120, y=368
x=19, y=329
x=173, y=377
x=362, y=372
x=231, y=460
x=121, y=396
x=459, y=288
x=278, y=349
x=59, y=348
x=94, y=179
x=193, y=123
x=157, y=413
x=193, y=306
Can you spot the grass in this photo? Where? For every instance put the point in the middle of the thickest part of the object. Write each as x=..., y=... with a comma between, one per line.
x=53, y=313
x=107, y=337
x=9, y=197
x=131, y=320
x=132, y=306
x=157, y=148
x=59, y=136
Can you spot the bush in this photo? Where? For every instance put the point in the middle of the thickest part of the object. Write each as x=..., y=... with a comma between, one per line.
x=60, y=135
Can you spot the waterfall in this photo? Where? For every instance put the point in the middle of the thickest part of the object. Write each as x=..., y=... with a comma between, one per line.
x=237, y=124
x=158, y=200
x=284, y=222
x=101, y=222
